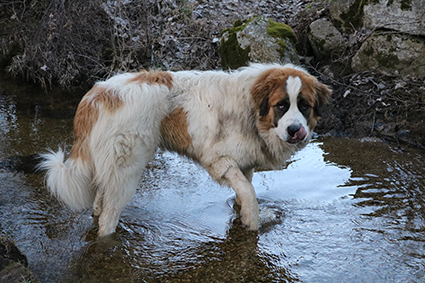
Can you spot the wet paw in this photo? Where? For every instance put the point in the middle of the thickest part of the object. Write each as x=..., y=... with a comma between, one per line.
x=250, y=217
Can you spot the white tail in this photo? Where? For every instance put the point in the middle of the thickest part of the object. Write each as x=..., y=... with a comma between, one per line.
x=69, y=181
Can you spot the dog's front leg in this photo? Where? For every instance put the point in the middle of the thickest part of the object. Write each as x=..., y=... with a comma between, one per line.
x=248, y=173
x=246, y=197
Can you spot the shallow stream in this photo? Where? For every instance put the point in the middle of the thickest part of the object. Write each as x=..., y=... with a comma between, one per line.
x=344, y=210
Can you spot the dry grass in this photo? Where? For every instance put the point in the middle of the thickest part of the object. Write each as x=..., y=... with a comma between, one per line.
x=73, y=43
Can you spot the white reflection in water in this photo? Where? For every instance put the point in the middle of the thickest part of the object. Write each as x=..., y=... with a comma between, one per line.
x=308, y=176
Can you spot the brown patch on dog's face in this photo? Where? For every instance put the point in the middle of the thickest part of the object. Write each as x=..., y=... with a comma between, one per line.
x=318, y=95
x=262, y=88
x=87, y=115
x=154, y=77
x=174, y=132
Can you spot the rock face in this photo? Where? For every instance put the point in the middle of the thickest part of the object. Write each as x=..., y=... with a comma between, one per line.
x=325, y=39
x=391, y=53
x=353, y=23
x=400, y=15
x=256, y=40
x=347, y=13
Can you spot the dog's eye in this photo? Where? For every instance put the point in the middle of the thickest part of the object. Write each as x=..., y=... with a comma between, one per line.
x=282, y=106
x=304, y=106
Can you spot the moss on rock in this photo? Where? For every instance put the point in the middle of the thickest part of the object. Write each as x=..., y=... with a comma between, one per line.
x=231, y=53
x=257, y=39
x=279, y=30
x=394, y=54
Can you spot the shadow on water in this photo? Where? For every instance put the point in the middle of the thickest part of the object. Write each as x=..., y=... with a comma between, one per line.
x=343, y=210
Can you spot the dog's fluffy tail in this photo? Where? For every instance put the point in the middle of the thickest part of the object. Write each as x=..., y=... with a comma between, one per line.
x=70, y=181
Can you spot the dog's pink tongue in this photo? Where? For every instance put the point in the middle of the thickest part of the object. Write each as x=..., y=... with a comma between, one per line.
x=300, y=135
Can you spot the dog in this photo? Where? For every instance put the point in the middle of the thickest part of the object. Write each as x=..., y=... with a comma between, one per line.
x=230, y=123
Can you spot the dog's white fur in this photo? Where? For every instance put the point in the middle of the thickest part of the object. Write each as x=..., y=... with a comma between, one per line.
x=227, y=122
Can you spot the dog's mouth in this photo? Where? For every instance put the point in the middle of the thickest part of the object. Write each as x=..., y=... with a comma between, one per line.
x=298, y=136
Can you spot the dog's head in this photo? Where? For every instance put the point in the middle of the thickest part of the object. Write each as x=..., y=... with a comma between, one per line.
x=290, y=101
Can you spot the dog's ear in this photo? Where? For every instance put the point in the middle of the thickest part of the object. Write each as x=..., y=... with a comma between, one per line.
x=260, y=96
x=261, y=91
x=323, y=93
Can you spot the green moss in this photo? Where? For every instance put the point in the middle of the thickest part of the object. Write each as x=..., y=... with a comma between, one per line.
x=231, y=54
x=282, y=31
x=238, y=25
x=385, y=60
x=282, y=47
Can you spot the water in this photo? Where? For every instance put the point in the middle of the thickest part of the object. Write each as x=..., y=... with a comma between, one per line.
x=344, y=210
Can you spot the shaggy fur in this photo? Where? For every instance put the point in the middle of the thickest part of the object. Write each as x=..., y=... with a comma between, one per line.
x=229, y=122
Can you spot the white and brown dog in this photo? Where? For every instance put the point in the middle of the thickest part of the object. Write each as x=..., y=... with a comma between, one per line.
x=229, y=123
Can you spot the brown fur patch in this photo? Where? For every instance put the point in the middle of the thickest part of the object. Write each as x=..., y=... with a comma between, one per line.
x=154, y=77
x=107, y=98
x=174, y=132
x=262, y=89
x=87, y=115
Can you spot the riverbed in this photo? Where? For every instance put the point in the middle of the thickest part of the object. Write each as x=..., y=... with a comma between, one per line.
x=343, y=210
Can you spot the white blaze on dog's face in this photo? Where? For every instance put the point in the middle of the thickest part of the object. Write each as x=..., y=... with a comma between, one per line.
x=292, y=126
x=289, y=102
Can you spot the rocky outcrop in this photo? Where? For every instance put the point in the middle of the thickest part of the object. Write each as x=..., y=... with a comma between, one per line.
x=387, y=32
x=326, y=40
x=392, y=54
x=257, y=39
x=378, y=77
x=399, y=15
x=347, y=14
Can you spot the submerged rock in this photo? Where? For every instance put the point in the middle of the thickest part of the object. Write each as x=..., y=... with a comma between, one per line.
x=13, y=264
x=257, y=39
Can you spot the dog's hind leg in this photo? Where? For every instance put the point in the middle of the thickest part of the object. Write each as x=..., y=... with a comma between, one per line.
x=117, y=195
x=97, y=205
x=119, y=168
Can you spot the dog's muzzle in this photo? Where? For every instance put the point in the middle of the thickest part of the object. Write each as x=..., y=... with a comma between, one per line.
x=296, y=133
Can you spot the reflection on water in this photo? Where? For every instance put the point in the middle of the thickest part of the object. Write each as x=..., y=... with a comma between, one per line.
x=342, y=211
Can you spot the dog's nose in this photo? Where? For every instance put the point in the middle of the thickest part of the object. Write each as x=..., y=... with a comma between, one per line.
x=294, y=128
x=296, y=133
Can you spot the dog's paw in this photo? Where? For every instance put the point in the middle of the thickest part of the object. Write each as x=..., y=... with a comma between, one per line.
x=250, y=217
